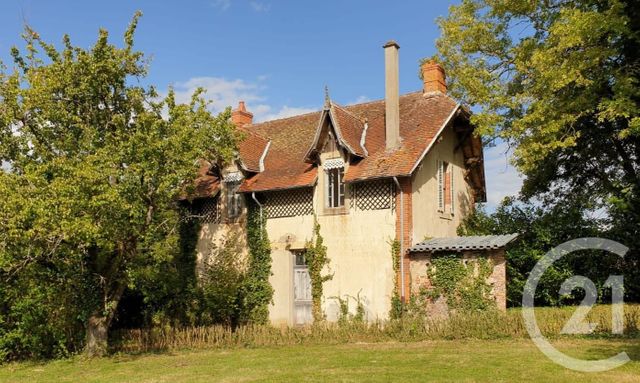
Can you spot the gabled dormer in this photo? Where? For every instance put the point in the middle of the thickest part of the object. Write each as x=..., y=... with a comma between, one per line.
x=340, y=128
x=340, y=137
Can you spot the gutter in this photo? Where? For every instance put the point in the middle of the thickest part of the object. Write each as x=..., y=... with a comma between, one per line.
x=363, y=138
x=263, y=156
x=402, y=292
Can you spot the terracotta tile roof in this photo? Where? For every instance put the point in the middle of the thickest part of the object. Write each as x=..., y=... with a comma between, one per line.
x=421, y=117
x=251, y=149
x=350, y=127
x=284, y=165
x=205, y=184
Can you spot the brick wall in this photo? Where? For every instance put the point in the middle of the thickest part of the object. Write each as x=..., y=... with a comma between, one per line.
x=419, y=262
x=405, y=185
x=498, y=279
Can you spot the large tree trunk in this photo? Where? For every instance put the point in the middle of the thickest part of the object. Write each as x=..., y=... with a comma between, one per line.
x=98, y=324
x=97, y=335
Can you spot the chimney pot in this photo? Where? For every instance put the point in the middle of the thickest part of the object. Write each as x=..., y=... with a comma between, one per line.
x=392, y=95
x=433, y=77
x=240, y=116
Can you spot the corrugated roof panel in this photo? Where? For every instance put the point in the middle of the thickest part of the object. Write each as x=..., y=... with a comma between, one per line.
x=478, y=242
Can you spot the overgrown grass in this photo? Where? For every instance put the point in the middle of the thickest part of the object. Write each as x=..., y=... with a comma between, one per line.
x=478, y=325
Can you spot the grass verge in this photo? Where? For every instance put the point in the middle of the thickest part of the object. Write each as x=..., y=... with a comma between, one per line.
x=456, y=360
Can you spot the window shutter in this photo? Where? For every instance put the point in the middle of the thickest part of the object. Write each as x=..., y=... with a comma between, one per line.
x=451, y=188
x=440, y=176
x=327, y=188
x=340, y=175
x=236, y=204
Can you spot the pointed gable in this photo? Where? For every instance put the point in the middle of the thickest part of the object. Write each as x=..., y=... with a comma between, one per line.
x=351, y=128
x=347, y=129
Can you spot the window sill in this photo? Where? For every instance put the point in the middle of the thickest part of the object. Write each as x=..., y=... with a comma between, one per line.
x=447, y=216
x=335, y=210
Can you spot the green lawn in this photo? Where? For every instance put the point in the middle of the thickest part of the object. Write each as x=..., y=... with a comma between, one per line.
x=471, y=360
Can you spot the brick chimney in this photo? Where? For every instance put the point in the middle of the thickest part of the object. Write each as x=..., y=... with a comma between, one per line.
x=240, y=116
x=433, y=77
x=391, y=95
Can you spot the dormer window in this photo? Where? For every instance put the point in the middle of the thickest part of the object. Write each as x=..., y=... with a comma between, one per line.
x=233, y=201
x=334, y=186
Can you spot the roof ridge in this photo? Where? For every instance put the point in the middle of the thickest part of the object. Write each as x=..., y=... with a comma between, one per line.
x=284, y=118
x=382, y=99
x=345, y=107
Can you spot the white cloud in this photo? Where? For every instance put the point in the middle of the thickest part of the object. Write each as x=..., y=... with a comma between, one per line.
x=256, y=6
x=359, y=100
x=223, y=5
x=502, y=178
x=222, y=93
x=260, y=6
x=285, y=111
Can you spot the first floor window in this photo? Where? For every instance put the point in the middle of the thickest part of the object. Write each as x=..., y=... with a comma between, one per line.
x=445, y=186
x=335, y=187
x=234, y=203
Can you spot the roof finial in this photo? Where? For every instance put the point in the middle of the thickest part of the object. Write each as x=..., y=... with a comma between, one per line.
x=327, y=99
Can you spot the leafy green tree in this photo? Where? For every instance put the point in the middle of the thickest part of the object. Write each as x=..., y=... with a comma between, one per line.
x=558, y=81
x=96, y=164
x=256, y=291
x=540, y=229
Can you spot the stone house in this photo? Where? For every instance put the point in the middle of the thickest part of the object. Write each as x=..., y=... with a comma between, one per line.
x=407, y=167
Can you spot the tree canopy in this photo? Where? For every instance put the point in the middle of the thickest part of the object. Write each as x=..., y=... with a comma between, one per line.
x=93, y=164
x=557, y=80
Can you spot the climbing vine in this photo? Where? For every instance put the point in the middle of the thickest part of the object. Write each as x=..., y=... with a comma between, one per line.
x=344, y=317
x=463, y=284
x=316, y=257
x=257, y=291
x=396, y=301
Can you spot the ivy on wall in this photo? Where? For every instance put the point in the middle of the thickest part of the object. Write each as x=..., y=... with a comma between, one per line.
x=463, y=284
x=344, y=317
x=396, y=301
x=257, y=291
x=316, y=257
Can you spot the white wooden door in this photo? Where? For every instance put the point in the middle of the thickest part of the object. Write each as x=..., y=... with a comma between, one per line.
x=301, y=293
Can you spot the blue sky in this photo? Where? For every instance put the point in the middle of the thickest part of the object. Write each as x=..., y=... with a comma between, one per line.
x=276, y=55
